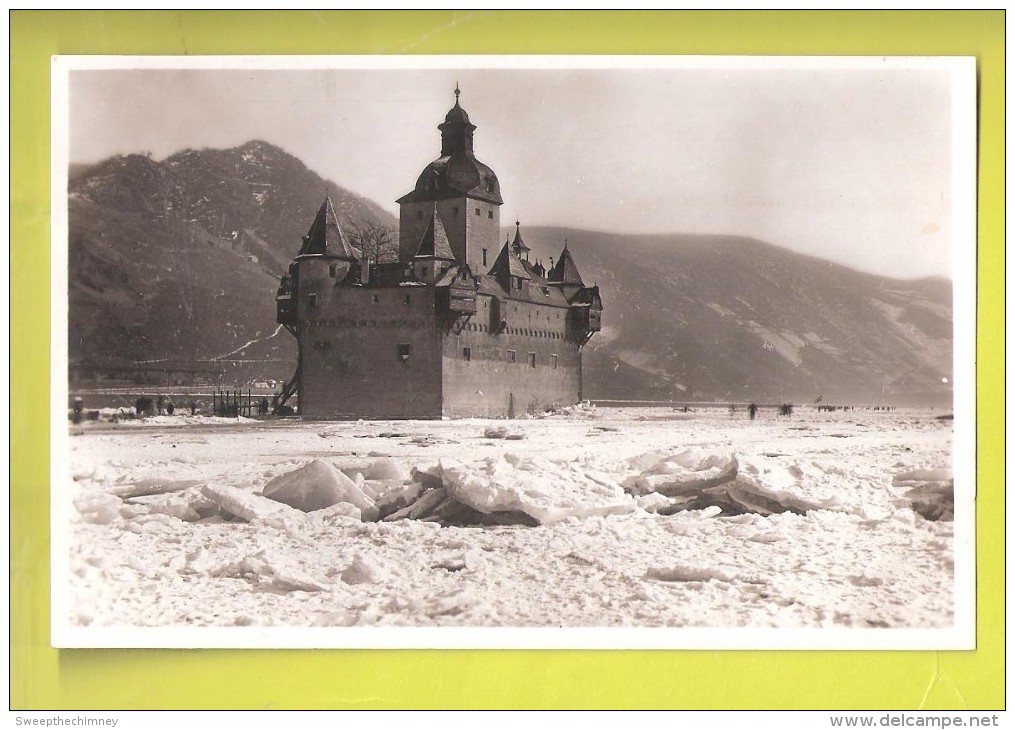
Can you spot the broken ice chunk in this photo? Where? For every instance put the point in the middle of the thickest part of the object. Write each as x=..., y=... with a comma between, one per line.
x=98, y=508
x=245, y=505
x=318, y=485
x=546, y=491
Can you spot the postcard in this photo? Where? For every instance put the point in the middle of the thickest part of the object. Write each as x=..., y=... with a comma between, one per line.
x=513, y=352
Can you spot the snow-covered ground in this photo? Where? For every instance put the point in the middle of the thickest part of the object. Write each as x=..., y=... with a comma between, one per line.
x=634, y=517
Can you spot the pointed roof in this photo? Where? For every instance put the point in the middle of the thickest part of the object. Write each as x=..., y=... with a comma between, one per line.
x=325, y=235
x=565, y=271
x=518, y=245
x=434, y=243
x=508, y=264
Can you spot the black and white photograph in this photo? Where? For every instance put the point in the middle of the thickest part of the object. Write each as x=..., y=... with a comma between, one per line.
x=515, y=352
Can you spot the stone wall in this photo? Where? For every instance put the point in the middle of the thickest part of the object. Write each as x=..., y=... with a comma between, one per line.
x=370, y=353
x=489, y=381
x=464, y=227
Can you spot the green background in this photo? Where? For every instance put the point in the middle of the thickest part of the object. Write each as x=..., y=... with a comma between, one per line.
x=44, y=678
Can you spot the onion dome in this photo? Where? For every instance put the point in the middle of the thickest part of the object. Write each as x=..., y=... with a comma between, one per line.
x=457, y=172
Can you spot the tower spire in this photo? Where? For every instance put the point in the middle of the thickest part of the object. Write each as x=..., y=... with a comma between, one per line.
x=456, y=132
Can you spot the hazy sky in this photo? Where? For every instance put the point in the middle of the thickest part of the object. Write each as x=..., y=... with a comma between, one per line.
x=851, y=165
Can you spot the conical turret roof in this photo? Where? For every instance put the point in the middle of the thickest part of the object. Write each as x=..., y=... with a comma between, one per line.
x=435, y=243
x=325, y=236
x=508, y=264
x=565, y=271
x=518, y=245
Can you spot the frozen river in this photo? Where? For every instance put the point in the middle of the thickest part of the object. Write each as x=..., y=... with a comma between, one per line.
x=638, y=517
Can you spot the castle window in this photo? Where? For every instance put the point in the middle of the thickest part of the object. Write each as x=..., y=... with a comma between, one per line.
x=467, y=353
x=477, y=211
x=375, y=298
x=553, y=361
x=489, y=187
x=423, y=270
x=403, y=352
x=332, y=270
x=489, y=213
x=484, y=257
x=312, y=300
x=532, y=359
x=408, y=299
x=510, y=355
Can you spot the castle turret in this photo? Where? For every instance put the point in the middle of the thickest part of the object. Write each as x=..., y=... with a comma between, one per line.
x=325, y=236
x=565, y=271
x=585, y=315
x=433, y=256
x=465, y=192
x=509, y=271
x=518, y=246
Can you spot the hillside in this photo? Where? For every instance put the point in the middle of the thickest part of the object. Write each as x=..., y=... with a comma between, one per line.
x=723, y=317
x=180, y=258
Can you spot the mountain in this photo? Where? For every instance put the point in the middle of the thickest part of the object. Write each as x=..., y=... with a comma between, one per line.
x=179, y=259
x=723, y=317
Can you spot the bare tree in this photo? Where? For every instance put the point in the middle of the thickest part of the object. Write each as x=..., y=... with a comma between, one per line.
x=376, y=240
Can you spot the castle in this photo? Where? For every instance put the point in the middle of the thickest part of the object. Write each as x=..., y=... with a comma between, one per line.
x=461, y=325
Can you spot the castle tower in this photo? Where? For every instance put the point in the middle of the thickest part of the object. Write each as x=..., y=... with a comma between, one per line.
x=464, y=192
x=459, y=326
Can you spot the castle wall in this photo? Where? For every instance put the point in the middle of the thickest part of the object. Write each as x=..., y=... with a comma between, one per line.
x=544, y=373
x=367, y=353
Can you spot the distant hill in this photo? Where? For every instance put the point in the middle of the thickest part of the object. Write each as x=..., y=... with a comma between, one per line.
x=180, y=258
x=726, y=317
